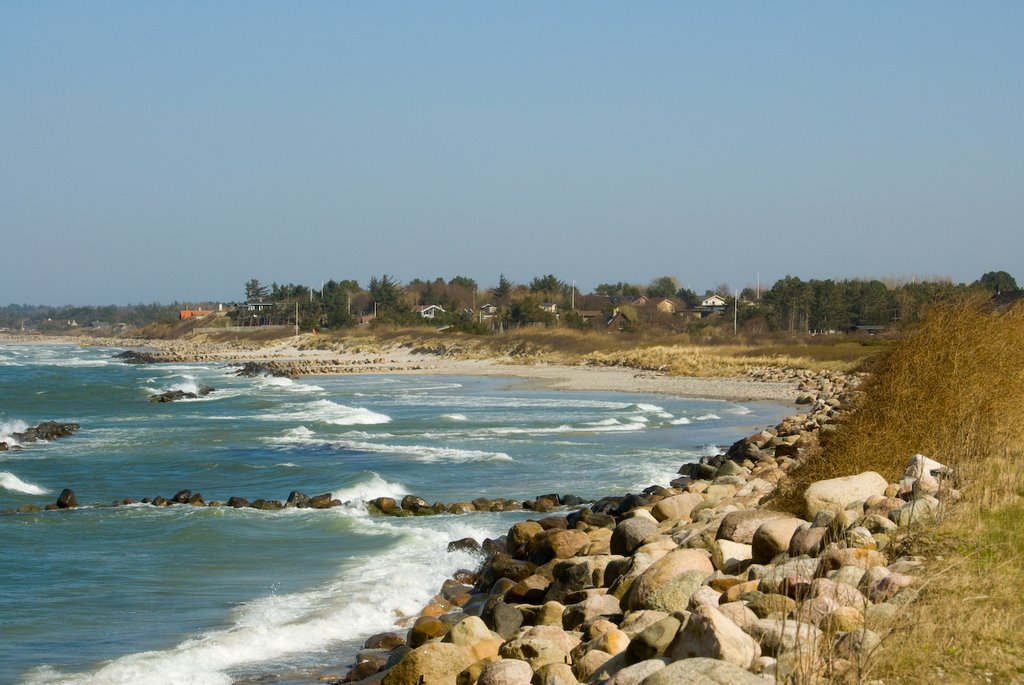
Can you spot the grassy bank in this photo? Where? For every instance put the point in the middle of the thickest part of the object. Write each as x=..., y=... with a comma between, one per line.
x=952, y=390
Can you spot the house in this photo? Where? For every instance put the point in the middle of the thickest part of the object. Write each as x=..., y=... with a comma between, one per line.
x=257, y=306
x=664, y=305
x=189, y=313
x=550, y=307
x=429, y=311
x=621, y=319
x=1008, y=298
x=714, y=301
x=488, y=311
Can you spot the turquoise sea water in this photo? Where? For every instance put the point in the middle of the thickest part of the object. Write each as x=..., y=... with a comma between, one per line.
x=188, y=595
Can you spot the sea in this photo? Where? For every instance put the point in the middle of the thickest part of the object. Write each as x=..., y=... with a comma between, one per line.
x=215, y=596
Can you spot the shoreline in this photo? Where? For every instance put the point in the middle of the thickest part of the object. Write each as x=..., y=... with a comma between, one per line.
x=403, y=361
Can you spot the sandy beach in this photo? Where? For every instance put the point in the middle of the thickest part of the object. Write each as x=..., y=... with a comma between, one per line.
x=305, y=360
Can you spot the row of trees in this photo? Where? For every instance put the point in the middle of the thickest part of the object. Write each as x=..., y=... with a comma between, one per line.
x=790, y=304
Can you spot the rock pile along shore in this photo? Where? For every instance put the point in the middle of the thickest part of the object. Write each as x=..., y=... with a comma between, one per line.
x=697, y=582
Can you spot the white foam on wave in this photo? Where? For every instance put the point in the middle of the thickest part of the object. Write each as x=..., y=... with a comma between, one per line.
x=361, y=600
x=9, y=481
x=424, y=453
x=474, y=402
x=654, y=409
x=454, y=417
x=327, y=411
x=8, y=428
x=740, y=410
x=708, y=417
x=287, y=384
x=371, y=488
x=681, y=421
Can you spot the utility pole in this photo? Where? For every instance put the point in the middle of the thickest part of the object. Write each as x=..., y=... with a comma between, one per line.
x=735, y=311
x=573, y=295
x=296, y=317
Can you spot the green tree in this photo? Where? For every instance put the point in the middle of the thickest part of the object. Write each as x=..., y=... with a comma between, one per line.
x=664, y=286
x=387, y=297
x=503, y=289
x=997, y=281
x=254, y=290
x=527, y=311
x=463, y=282
x=548, y=285
x=688, y=296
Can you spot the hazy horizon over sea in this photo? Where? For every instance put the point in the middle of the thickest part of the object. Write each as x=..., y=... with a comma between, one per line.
x=209, y=595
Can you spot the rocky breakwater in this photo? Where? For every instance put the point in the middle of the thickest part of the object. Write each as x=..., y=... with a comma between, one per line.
x=697, y=582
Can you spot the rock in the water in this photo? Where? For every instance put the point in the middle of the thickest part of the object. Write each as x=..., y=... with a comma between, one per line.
x=175, y=395
x=67, y=499
x=47, y=430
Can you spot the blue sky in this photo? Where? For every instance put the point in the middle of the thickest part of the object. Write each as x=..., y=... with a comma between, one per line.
x=164, y=151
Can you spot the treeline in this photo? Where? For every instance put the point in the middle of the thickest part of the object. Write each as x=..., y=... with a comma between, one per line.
x=14, y=317
x=790, y=304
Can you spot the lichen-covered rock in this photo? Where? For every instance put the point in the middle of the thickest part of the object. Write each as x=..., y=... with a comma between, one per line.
x=654, y=640
x=469, y=631
x=663, y=570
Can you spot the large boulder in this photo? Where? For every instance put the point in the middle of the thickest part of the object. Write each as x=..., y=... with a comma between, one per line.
x=637, y=673
x=676, y=507
x=676, y=593
x=703, y=671
x=772, y=538
x=506, y=672
x=836, y=494
x=730, y=557
x=437, y=663
x=67, y=499
x=663, y=570
x=535, y=651
x=631, y=534
x=708, y=633
x=595, y=606
x=739, y=526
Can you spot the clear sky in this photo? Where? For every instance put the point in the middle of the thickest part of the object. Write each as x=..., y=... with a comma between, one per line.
x=162, y=151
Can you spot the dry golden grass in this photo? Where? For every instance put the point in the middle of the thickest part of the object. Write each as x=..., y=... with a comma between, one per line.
x=670, y=353
x=968, y=625
x=950, y=389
